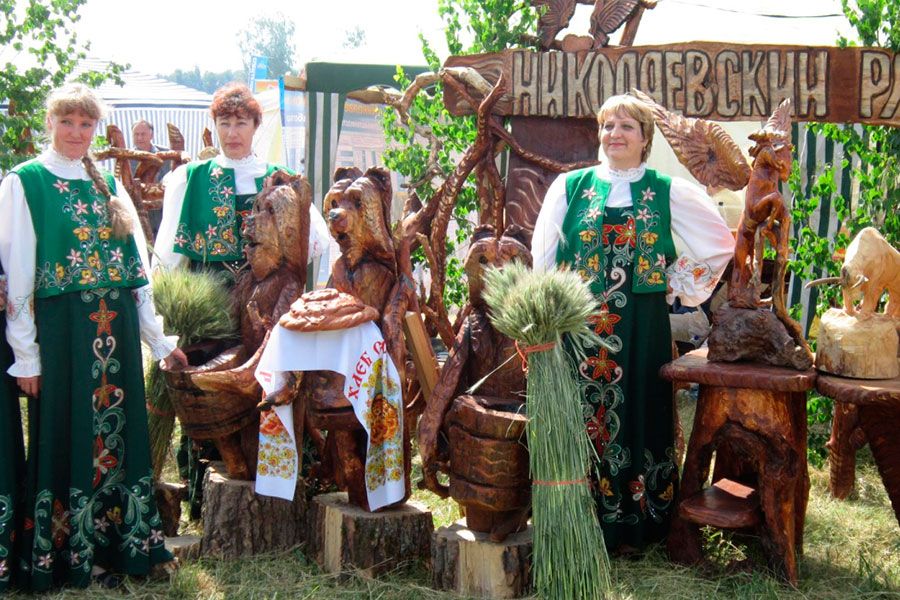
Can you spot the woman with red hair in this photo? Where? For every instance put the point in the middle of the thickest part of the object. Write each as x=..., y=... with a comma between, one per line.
x=204, y=207
x=205, y=202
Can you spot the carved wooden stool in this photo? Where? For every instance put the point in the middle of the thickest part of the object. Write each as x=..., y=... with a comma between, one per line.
x=753, y=417
x=865, y=410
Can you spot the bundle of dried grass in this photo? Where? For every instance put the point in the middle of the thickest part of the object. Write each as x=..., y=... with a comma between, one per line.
x=542, y=311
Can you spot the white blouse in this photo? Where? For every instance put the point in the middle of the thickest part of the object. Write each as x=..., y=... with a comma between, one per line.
x=703, y=241
x=246, y=172
x=18, y=251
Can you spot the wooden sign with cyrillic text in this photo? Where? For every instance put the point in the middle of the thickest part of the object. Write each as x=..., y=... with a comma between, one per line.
x=712, y=80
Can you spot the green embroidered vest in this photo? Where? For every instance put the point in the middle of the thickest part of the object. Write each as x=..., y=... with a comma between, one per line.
x=581, y=244
x=75, y=247
x=212, y=215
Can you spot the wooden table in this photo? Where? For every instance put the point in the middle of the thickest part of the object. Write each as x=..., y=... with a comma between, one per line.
x=753, y=416
x=865, y=410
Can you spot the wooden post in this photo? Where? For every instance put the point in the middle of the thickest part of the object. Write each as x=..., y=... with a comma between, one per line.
x=422, y=353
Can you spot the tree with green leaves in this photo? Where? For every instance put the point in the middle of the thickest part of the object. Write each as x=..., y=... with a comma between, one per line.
x=48, y=52
x=272, y=37
x=472, y=26
x=874, y=151
x=208, y=81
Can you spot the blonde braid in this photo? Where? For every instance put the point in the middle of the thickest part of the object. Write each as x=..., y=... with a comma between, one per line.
x=120, y=218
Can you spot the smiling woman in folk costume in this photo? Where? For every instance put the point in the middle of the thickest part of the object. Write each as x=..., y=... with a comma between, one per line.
x=206, y=202
x=79, y=305
x=204, y=207
x=614, y=225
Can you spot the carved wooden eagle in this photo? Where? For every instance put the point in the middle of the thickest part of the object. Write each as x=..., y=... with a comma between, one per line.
x=703, y=147
x=608, y=16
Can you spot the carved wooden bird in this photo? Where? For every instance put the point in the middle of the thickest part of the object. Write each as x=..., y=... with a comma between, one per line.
x=703, y=147
x=608, y=16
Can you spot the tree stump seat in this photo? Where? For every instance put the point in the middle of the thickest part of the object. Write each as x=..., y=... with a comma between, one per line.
x=725, y=504
x=342, y=536
x=865, y=411
x=753, y=417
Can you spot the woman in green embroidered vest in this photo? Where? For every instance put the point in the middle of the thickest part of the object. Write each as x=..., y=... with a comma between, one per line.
x=614, y=225
x=79, y=305
x=204, y=206
x=205, y=202
x=12, y=456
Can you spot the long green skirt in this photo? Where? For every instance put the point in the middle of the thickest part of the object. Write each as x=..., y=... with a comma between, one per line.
x=628, y=407
x=89, y=493
x=12, y=463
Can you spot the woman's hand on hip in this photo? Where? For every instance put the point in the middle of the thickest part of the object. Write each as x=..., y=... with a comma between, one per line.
x=30, y=385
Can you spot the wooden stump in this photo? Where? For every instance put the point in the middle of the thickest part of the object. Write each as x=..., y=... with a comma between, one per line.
x=468, y=563
x=184, y=547
x=342, y=536
x=239, y=522
x=851, y=347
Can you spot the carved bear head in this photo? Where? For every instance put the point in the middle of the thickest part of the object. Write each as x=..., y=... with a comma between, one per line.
x=277, y=231
x=487, y=250
x=357, y=209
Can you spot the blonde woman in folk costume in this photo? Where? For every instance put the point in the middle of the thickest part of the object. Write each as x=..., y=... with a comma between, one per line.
x=205, y=202
x=79, y=305
x=614, y=225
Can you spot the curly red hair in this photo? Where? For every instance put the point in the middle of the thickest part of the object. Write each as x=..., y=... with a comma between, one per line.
x=235, y=100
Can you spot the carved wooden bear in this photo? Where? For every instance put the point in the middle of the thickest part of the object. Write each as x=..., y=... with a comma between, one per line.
x=479, y=440
x=357, y=210
x=224, y=391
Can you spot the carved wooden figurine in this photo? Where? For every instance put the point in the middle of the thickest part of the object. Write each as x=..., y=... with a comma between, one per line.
x=743, y=329
x=858, y=341
x=608, y=15
x=357, y=209
x=479, y=440
x=142, y=187
x=217, y=400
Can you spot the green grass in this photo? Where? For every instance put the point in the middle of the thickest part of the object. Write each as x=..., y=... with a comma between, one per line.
x=852, y=550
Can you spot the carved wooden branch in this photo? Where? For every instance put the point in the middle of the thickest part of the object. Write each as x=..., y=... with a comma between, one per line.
x=441, y=319
x=450, y=190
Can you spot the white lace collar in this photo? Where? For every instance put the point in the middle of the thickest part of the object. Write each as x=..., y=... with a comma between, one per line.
x=251, y=160
x=623, y=175
x=51, y=157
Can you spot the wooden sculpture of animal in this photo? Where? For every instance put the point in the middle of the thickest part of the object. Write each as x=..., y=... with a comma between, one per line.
x=276, y=234
x=713, y=158
x=488, y=472
x=871, y=267
x=357, y=210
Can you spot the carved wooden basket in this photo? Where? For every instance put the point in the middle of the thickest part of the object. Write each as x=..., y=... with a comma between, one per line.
x=204, y=415
x=489, y=463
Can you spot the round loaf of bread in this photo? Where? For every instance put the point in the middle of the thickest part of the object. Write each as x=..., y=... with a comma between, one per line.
x=326, y=310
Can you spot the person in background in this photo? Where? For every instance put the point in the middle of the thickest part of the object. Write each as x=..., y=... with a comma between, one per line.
x=614, y=224
x=142, y=136
x=79, y=304
x=204, y=207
